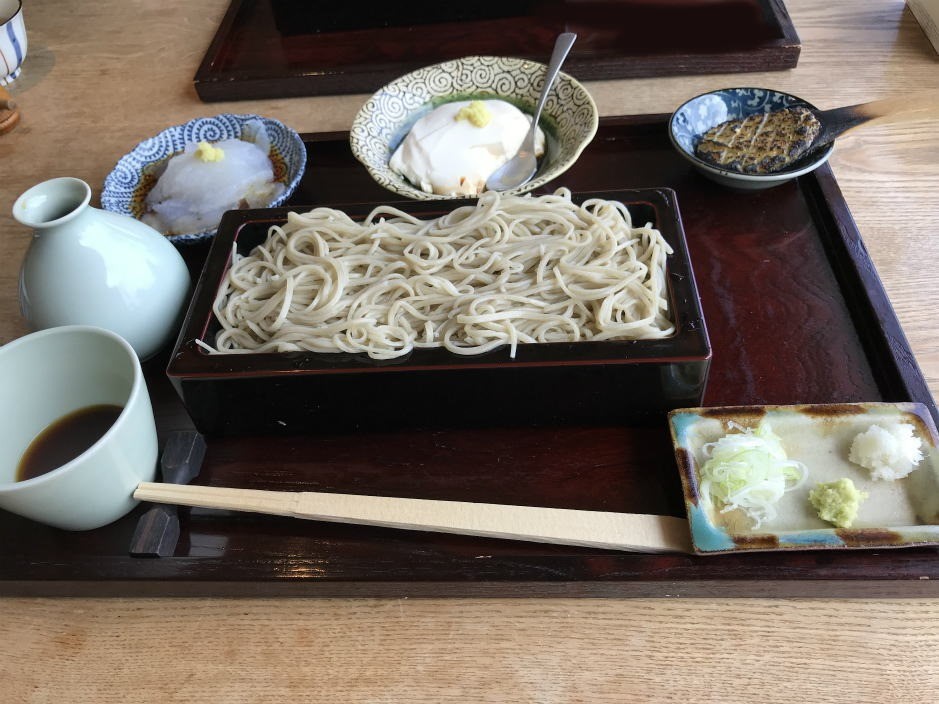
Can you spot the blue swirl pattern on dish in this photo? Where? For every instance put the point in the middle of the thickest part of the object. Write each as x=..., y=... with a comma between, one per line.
x=124, y=187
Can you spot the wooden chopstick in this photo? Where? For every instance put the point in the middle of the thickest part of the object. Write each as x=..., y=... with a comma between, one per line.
x=596, y=529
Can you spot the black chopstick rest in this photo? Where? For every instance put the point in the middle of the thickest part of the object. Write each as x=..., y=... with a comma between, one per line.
x=158, y=529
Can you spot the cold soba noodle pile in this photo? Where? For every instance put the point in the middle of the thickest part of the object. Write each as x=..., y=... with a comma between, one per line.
x=509, y=270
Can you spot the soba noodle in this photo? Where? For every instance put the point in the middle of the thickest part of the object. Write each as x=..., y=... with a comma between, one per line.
x=510, y=270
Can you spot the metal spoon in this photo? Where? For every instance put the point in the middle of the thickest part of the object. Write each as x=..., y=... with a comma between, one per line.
x=521, y=167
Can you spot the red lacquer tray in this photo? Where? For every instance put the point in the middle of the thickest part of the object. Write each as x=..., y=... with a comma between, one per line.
x=795, y=312
x=283, y=48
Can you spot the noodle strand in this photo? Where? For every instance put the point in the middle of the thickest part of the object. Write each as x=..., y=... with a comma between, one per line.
x=509, y=270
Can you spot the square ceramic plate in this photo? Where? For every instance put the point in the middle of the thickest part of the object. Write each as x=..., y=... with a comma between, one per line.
x=898, y=513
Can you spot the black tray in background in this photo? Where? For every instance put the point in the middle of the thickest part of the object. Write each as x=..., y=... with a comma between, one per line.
x=286, y=48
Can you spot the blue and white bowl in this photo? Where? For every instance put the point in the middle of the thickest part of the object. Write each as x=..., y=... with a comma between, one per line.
x=695, y=117
x=126, y=187
x=570, y=116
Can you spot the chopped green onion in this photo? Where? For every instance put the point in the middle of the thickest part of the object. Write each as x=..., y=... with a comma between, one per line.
x=749, y=470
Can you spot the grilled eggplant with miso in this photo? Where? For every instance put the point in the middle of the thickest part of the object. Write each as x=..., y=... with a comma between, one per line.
x=760, y=144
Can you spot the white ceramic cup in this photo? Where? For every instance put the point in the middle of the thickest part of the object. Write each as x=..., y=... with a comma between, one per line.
x=12, y=40
x=49, y=374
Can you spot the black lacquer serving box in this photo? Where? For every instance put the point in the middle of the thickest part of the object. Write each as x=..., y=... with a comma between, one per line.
x=300, y=392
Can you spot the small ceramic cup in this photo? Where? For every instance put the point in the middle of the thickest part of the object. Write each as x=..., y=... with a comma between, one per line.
x=12, y=40
x=50, y=374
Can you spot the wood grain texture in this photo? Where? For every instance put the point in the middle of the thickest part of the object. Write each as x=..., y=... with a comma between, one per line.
x=603, y=529
x=137, y=60
x=432, y=651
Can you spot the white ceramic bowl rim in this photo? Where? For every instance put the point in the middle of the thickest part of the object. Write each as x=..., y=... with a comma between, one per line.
x=18, y=10
x=81, y=188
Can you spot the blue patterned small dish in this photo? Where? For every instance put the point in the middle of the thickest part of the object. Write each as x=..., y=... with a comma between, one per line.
x=896, y=513
x=695, y=117
x=570, y=115
x=126, y=187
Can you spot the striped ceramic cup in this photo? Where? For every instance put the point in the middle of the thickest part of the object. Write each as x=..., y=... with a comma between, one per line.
x=12, y=40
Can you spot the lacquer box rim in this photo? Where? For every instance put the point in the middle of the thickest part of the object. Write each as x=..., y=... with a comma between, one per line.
x=689, y=342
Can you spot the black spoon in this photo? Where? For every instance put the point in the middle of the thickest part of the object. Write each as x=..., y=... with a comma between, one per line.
x=767, y=143
x=837, y=121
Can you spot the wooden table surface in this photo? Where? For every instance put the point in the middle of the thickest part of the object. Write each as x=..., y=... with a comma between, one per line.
x=101, y=76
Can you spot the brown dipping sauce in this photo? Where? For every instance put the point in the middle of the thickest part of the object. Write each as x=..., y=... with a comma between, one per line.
x=66, y=439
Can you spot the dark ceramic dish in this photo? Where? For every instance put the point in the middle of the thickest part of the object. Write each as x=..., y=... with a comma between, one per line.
x=302, y=392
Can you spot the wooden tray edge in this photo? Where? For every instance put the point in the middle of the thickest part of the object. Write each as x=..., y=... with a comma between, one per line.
x=219, y=86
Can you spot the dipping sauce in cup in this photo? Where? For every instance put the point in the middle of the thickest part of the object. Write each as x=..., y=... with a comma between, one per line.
x=66, y=439
x=78, y=434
